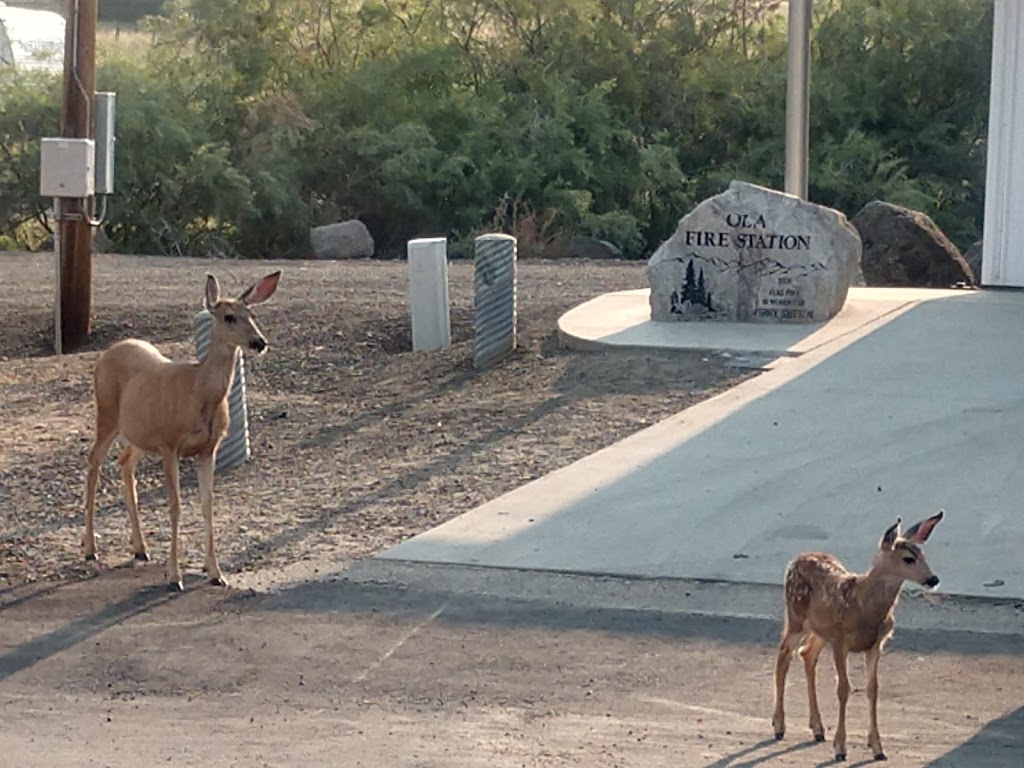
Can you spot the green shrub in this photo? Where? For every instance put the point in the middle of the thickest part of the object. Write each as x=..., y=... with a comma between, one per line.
x=128, y=11
x=248, y=121
x=28, y=110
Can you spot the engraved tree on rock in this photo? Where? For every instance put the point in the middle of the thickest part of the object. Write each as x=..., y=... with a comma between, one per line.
x=702, y=291
x=692, y=294
x=690, y=286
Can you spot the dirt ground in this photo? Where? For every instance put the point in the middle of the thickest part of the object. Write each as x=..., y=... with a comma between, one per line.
x=357, y=441
x=117, y=671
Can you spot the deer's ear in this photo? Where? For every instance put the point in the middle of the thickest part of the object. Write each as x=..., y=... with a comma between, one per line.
x=890, y=536
x=261, y=291
x=919, y=532
x=212, y=292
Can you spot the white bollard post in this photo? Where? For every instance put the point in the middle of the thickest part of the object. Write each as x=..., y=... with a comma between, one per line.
x=494, y=315
x=234, y=449
x=428, y=293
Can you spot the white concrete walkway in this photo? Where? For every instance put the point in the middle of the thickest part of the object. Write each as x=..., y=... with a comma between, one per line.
x=622, y=320
x=908, y=402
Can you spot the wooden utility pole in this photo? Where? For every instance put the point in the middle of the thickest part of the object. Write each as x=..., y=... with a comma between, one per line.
x=77, y=121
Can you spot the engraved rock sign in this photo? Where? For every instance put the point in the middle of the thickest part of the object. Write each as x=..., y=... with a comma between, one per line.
x=752, y=254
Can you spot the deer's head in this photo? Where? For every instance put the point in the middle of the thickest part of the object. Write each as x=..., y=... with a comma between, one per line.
x=233, y=321
x=901, y=555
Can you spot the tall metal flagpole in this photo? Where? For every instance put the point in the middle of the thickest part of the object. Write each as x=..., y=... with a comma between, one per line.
x=798, y=96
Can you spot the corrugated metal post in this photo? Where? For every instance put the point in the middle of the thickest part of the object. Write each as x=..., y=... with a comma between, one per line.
x=234, y=449
x=494, y=316
x=428, y=294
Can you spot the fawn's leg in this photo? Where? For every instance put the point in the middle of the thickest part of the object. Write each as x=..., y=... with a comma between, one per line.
x=106, y=432
x=871, y=659
x=809, y=652
x=170, y=460
x=791, y=636
x=205, y=467
x=129, y=461
x=843, y=693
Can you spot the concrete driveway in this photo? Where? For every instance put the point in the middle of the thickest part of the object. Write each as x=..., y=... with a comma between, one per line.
x=906, y=411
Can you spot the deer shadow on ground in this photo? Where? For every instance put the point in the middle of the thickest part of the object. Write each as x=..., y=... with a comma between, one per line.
x=137, y=601
x=763, y=752
x=737, y=759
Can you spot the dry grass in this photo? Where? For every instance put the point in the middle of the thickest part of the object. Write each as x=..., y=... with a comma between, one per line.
x=357, y=442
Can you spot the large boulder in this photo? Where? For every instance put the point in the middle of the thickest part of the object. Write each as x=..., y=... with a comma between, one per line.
x=344, y=240
x=592, y=249
x=754, y=254
x=101, y=243
x=973, y=259
x=905, y=247
x=582, y=247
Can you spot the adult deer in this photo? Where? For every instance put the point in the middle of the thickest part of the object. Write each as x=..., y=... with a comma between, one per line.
x=854, y=613
x=173, y=409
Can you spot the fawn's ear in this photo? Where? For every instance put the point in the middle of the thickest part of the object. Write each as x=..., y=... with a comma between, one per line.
x=261, y=291
x=919, y=532
x=212, y=292
x=890, y=536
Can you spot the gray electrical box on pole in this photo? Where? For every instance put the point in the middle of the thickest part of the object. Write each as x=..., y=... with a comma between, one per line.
x=105, y=105
x=76, y=172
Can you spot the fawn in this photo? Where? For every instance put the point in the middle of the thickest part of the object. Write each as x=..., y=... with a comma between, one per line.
x=854, y=613
x=173, y=409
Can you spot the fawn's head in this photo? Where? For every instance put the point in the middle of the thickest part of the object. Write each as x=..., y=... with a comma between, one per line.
x=901, y=555
x=233, y=322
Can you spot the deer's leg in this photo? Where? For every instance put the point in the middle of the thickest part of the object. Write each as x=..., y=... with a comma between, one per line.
x=170, y=460
x=871, y=659
x=791, y=636
x=809, y=653
x=843, y=693
x=205, y=471
x=106, y=432
x=129, y=461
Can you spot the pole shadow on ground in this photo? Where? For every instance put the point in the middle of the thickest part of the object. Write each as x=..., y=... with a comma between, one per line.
x=465, y=609
x=1000, y=744
x=774, y=473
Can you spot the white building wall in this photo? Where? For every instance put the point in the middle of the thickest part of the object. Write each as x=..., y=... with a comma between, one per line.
x=31, y=39
x=1003, y=250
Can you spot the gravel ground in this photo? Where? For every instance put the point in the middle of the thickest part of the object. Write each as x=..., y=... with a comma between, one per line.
x=357, y=441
